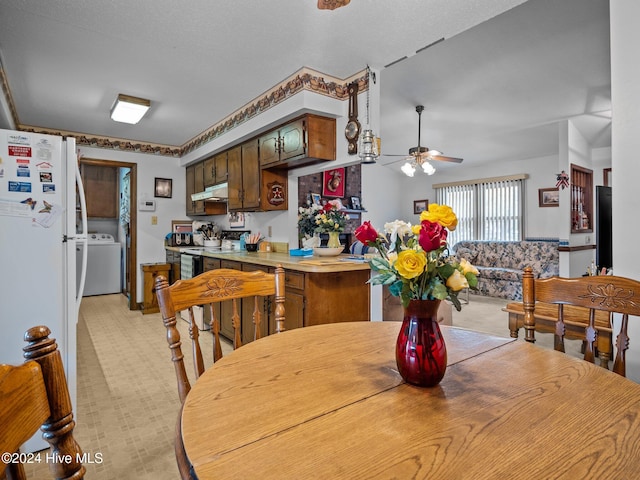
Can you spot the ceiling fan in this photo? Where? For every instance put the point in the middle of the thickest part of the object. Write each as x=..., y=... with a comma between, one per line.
x=420, y=156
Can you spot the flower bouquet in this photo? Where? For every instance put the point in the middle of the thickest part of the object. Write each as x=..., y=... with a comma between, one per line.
x=414, y=260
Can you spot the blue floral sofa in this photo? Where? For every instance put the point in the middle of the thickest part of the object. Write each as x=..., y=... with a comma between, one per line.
x=501, y=263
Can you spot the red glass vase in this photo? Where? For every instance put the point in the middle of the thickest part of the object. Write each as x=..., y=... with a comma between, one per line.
x=421, y=354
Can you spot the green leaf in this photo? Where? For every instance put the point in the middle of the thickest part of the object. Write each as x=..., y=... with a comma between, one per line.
x=472, y=280
x=439, y=291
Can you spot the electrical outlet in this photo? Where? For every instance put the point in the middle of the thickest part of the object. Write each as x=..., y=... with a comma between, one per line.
x=269, y=231
x=154, y=220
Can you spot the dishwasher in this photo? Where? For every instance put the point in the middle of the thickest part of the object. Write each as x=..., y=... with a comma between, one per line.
x=191, y=265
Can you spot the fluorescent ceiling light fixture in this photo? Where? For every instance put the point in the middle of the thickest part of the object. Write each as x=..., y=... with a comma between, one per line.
x=129, y=109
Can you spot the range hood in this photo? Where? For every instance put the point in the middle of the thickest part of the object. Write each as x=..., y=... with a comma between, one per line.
x=215, y=193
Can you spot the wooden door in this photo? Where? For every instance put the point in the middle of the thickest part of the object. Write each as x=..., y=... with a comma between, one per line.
x=234, y=165
x=101, y=190
x=221, y=167
x=250, y=176
x=292, y=140
x=198, y=183
x=209, y=173
x=269, y=148
x=190, y=176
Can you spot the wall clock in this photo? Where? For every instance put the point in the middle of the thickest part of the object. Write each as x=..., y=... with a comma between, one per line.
x=352, y=130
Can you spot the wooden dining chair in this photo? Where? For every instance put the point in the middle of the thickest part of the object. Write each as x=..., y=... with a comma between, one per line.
x=34, y=396
x=205, y=290
x=604, y=293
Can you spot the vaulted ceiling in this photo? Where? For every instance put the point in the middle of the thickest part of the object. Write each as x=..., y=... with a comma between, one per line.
x=495, y=88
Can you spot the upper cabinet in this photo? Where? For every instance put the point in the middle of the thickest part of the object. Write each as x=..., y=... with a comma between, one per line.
x=101, y=190
x=195, y=184
x=256, y=170
x=244, y=177
x=215, y=169
x=303, y=141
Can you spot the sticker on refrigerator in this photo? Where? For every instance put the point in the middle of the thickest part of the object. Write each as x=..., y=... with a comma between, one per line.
x=24, y=187
x=16, y=209
x=23, y=171
x=46, y=177
x=16, y=151
x=48, y=214
x=48, y=188
x=18, y=138
x=43, y=152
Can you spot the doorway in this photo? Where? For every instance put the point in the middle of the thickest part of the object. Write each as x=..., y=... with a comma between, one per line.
x=127, y=226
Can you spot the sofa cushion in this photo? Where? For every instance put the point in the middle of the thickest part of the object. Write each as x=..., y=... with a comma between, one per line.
x=493, y=273
x=466, y=253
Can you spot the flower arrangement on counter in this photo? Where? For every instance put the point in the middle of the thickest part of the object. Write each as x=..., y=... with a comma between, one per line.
x=331, y=218
x=307, y=220
x=316, y=219
x=414, y=260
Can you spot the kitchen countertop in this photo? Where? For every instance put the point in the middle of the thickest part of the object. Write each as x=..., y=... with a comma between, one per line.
x=314, y=264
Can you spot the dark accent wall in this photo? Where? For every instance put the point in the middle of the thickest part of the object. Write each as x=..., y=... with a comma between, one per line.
x=353, y=188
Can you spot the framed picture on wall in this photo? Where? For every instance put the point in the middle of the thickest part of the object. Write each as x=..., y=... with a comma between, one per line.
x=420, y=206
x=315, y=198
x=548, y=197
x=163, y=188
x=355, y=203
x=333, y=182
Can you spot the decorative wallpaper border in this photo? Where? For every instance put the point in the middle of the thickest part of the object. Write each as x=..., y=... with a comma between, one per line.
x=304, y=79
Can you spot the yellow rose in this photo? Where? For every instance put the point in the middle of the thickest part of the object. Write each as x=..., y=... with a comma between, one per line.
x=410, y=264
x=457, y=281
x=442, y=214
x=467, y=267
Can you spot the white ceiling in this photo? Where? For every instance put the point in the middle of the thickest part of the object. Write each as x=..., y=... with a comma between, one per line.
x=493, y=92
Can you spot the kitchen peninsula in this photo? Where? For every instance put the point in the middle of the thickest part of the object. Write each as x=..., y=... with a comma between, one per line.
x=318, y=290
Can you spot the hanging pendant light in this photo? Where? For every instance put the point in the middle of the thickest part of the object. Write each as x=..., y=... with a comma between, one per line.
x=368, y=144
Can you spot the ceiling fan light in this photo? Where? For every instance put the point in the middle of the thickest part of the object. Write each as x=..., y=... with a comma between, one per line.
x=127, y=109
x=408, y=169
x=435, y=152
x=428, y=168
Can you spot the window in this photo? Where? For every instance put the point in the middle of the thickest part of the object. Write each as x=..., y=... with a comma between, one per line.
x=488, y=209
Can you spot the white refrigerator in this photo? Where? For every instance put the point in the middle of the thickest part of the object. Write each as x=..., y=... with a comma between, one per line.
x=41, y=198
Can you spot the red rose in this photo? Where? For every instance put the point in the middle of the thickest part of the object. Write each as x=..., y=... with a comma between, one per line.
x=432, y=236
x=365, y=233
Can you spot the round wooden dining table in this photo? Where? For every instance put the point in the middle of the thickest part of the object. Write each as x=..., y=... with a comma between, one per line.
x=327, y=402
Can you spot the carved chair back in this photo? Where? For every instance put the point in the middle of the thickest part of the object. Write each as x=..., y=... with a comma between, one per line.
x=34, y=396
x=616, y=295
x=207, y=289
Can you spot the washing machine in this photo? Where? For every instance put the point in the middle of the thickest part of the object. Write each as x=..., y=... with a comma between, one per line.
x=103, y=265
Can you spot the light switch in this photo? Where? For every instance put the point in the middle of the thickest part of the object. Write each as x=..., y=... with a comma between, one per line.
x=154, y=220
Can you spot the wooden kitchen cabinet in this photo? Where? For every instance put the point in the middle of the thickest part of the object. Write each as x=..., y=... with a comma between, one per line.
x=244, y=177
x=303, y=141
x=101, y=190
x=194, y=178
x=215, y=170
x=293, y=302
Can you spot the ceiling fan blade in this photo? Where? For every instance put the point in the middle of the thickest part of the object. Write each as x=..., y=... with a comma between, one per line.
x=404, y=158
x=393, y=155
x=442, y=158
